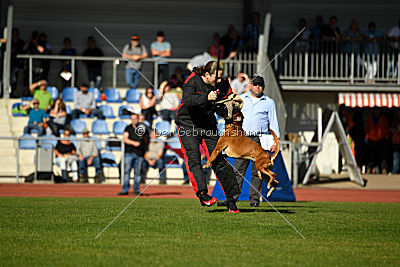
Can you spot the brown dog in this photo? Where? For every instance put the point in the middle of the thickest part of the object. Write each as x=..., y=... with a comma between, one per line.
x=236, y=144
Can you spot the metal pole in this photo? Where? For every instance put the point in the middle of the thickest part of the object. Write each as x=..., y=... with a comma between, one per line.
x=17, y=176
x=30, y=70
x=156, y=74
x=319, y=124
x=398, y=69
x=352, y=68
x=114, y=74
x=306, y=67
x=122, y=162
x=73, y=72
x=7, y=55
x=295, y=167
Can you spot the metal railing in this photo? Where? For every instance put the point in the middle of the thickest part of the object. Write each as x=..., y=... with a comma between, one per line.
x=244, y=61
x=343, y=61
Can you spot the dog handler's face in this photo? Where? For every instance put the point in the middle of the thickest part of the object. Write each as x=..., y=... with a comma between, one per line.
x=256, y=90
x=210, y=79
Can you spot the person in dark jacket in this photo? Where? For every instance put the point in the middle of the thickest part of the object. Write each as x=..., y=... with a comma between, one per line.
x=197, y=125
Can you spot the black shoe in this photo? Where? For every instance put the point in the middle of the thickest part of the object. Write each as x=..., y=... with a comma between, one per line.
x=254, y=205
x=142, y=181
x=163, y=182
x=206, y=199
x=136, y=193
x=185, y=182
x=232, y=208
x=123, y=193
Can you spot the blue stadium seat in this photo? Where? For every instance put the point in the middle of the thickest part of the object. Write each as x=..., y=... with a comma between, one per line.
x=98, y=142
x=68, y=94
x=133, y=96
x=119, y=127
x=27, y=143
x=53, y=91
x=163, y=128
x=78, y=125
x=107, y=111
x=68, y=107
x=15, y=105
x=120, y=111
x=96, y=93
x=48, y=143
x=221, y=128
x=74, y=141
x=100, y=127
x=174, y=142
x=109, y=157
x=113, y=95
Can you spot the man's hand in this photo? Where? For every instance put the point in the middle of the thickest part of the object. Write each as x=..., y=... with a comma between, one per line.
x=89, y=161
x=81, y=157
x=135, y=57
x=212, y=95
x=86, y=111
x=273, y=148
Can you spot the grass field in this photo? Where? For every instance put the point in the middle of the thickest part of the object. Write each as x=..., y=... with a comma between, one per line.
x=61, y=231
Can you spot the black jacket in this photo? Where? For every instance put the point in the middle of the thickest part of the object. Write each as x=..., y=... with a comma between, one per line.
x=195, y=109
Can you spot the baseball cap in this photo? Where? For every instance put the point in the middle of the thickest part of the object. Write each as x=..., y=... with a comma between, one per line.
x=160, y=33
x=85, y=130
x=258, y=80
x=135, y=37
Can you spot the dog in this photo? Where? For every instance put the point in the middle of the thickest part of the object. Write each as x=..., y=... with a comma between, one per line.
x=236, y=144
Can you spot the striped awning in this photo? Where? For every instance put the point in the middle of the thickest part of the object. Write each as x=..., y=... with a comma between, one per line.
x=369, y=99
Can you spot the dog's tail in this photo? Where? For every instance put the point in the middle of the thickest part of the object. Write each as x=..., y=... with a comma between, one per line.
x=278, y=145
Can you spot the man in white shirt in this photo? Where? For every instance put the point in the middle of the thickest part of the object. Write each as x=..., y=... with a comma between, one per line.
x=240, y=84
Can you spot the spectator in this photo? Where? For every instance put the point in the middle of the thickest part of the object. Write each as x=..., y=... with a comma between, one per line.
x=213, y=49
x=226, y=40
x=396, y=144
x=252, y=32
x=177, y=78
x=331, y=32
x=32, y=47
x=39, y=92
x=235, y=45
x=47, y=51
x=161, y=49
x=316, y=33
x=88, y=155
x=66, y=158
x=137, y=52
x=371, y=50
x=241, y=83
x=169, y=102
x=376, y=136
x=134, y=152
x=302, y=41
x=154, y=158
x=37, y=119
x=353, y=37
x=394, y=38
x=85, y=103
x=93, y=66
x=17, y=46
x=148, y=105
x=59, y=118
x=66, y=69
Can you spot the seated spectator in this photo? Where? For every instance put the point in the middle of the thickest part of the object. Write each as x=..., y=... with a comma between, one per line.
x=85, y=103
x=213, y=49
x=66, y=69
x=39, y=92
x=93, y=66
x=169, y=102
x=177, y=78
x=241, y=83
x=59, y=118
x=376, y=137
x=154, y=158
x=88, y=155
x=148, y=104
x=66, y=158
x=37, y=119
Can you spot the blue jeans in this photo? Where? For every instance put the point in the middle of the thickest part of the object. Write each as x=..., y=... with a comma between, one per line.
x=160, y=165
x=132, y=161
x=96, y=163
x=33, y=126
x=396, y=158
x=132, y=77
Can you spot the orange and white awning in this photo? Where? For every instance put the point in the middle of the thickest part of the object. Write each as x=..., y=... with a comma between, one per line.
x=369, y=99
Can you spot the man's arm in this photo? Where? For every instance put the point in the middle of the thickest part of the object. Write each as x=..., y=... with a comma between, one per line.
x=128, y=141
x=273, y=123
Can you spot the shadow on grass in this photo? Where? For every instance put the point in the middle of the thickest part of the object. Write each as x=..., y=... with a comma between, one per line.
x=254, y=210
x=160, y=194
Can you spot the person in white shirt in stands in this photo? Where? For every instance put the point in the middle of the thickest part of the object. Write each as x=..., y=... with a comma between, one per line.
x=148, y=104
x=169, y=102
x=240, y=84
x=394, y=38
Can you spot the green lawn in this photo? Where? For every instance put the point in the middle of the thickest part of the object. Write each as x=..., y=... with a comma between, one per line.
x=61, y=231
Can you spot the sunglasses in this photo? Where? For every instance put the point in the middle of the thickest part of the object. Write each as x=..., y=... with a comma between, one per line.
x=36, y=103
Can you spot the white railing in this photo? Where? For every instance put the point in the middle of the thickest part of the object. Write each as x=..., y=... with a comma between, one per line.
x=310, y=61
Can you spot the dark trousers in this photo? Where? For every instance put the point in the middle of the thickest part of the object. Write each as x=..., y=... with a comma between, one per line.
x=377, y=154
x=190, y=141
x=163, y=73
x=148, y=114
x=75, y=113
x=241, y=166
